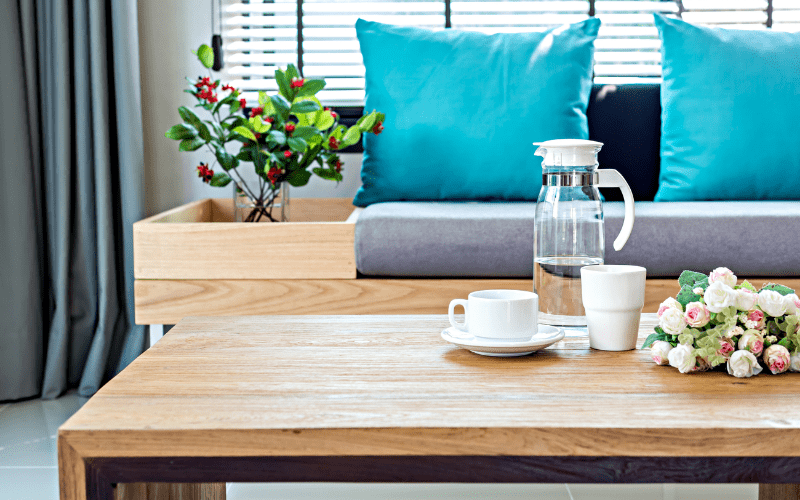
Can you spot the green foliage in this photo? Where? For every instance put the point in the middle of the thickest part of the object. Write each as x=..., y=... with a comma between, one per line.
x=298, y=178
x=205, y=55
x=304, y=107
x=783, y=290
x=297, y=144
x=653, y=337
x=220, y=180
x=310, y=87
x=192, y=144
x=293, y=120
x=226, y=160
x=686, y=295
x=690, y=278
x=747, y=285
x=181, y=131
x=245, y=132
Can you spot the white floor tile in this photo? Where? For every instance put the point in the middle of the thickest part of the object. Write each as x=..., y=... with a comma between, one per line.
x=28, y=484
x=382, y=491
x=35, y=419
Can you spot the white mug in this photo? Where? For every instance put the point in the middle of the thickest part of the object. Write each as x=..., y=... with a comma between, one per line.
x=505, y=315
x=613, y=297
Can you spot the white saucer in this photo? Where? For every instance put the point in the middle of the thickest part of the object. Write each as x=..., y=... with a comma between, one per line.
x=545, y=337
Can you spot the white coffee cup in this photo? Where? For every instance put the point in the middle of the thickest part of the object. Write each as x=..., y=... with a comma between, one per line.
x=499, y=315
x=613, y=297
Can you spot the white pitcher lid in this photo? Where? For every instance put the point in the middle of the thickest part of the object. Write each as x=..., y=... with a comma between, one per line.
x=568, y=152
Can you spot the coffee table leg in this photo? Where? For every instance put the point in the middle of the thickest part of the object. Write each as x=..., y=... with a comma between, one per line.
x=170, y=491
x=779, y=491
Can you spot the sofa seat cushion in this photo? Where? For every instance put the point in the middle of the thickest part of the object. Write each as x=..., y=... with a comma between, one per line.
x=478, y=239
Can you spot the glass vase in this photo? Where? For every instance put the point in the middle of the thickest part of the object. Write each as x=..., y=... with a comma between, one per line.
x=273, y=207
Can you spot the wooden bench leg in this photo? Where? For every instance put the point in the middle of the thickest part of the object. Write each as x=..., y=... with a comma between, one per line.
x=171, y=491
x=779, y=491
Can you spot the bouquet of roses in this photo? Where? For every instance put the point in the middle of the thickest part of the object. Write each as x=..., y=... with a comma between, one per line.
x=713, y=321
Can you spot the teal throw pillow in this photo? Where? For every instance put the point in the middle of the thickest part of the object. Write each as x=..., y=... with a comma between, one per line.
x=730, y=119
x=463, y=109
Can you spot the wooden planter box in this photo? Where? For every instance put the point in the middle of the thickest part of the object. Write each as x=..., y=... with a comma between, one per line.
x=199, y=240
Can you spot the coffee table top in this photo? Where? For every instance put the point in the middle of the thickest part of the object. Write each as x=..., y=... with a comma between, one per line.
x=389, y=385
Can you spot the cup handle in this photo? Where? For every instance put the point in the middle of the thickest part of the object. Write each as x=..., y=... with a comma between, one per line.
x=451, y=315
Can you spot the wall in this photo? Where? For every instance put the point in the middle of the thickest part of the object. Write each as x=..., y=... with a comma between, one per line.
x=168, y=31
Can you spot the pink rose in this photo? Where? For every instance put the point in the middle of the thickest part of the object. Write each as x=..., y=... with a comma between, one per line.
x=726, y=348
x=696, y=315
x=755, y=320
x=752, y=341
x=777, y=358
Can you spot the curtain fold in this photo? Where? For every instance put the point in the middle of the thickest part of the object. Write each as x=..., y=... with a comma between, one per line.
x=83, y=165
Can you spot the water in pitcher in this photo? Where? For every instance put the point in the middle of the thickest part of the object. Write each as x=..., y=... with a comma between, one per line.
x=557, y=280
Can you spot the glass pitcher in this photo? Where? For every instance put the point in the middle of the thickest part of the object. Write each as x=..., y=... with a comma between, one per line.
x=568, y=230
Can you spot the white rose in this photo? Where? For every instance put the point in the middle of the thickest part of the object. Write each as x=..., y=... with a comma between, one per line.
x=682, y=358
x=772, y=303
x=733, y=332
x=718, y=296
x=792, y=303
x=659, y=351
x=672, y=321
x=746, y=299
x=794, y=364
x=743, y=364
x=670, y=303
x=722, y=275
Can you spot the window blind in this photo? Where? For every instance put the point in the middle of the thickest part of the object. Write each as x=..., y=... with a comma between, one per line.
x=318, y=36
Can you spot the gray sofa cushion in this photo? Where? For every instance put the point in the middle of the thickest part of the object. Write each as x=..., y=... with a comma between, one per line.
x=477, y=239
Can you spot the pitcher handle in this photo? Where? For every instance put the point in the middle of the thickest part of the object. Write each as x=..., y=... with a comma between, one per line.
x=608, y=177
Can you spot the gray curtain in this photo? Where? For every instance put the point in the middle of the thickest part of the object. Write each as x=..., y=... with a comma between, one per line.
x=72, y=185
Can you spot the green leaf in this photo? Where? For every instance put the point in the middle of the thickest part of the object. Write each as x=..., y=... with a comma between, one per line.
x=305, y=132
x=191, y=144
x=652, y=338
x=783, y=290
x=245, y=132
x=259, y=126
x=283, y=85
x=181, y=131
x=263, y=99
x=328, y=174
x=686, y=295
x=281, y=105
x=291, y=72
x=220, y=180
x=324, y=120
x=304, y=107
x=311, y=87
x=234, y=106
x=205, y=55
x=189, y=116
x=690, y=278
x=204, y=133
x=686, y=338
x=351, y=137
x=749, y=286
x=278, y=137
x=245, y=155
x=366, y=122
x=217, y=129
x=298, y=178
x=226, y=160
x=297, y=144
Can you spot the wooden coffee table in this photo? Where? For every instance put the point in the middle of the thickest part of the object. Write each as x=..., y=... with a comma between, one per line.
x=383, y=398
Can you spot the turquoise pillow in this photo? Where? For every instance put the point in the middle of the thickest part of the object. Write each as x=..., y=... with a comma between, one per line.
x=730, y=113
x=463, y=109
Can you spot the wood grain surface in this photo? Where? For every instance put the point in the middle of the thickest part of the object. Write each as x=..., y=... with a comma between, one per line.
x=168, y=301
x=779, y=492
x=170, y=491
x=199, y=241
x=389, y=385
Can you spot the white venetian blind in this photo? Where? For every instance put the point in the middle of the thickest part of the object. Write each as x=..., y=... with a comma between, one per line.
x=260, y=35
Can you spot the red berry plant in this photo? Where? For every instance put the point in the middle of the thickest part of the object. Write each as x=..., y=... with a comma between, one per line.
x=286, y=138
